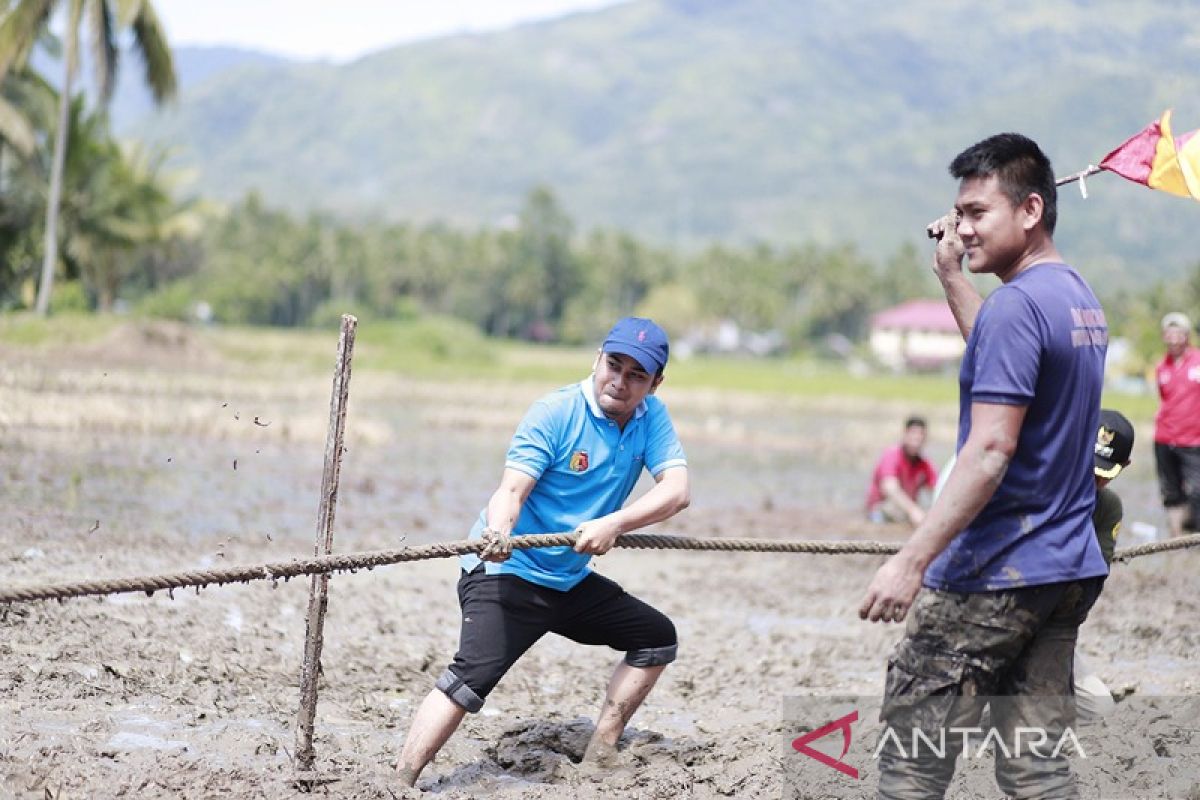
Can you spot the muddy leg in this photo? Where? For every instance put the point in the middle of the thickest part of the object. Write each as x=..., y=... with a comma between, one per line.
x=436, y=719
x=626, y=691
x=1175, y=518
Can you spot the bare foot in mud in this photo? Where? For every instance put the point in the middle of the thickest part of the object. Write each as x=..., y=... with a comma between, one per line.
x=584, y=771
x=406, y=776
x=599, y=756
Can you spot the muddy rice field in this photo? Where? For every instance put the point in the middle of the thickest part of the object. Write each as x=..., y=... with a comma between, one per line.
x=158, y=457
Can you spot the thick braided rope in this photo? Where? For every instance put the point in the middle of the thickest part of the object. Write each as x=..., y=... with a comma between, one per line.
x=352, y=562
x=1178, y=543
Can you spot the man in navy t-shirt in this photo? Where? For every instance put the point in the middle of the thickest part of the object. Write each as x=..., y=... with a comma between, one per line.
x=1007, y=555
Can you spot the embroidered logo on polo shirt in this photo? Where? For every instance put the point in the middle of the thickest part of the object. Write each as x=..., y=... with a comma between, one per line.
x=579, y=461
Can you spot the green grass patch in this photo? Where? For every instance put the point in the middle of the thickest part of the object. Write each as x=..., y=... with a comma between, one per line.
x=1140, y=408
x=433, y=346
x=27, y=329
x=438, y=348
x=441, y=348
x=289, y=348
x=809, y=378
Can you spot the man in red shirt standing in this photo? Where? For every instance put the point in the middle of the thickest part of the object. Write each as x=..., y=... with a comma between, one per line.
x=900, y=475
x=1177, y=426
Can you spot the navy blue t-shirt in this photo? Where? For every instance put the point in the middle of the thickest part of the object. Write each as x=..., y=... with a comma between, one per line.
x=1039, y=341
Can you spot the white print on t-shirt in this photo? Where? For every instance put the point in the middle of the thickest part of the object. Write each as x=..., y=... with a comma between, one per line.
x=1088, y=318
x=1193, y=375
x=1090, y=328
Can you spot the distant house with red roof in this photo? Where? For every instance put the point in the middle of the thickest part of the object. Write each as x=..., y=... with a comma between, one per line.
x=916, y=335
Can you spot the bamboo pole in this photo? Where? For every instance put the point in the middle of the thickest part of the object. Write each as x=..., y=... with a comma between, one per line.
x=318, y=596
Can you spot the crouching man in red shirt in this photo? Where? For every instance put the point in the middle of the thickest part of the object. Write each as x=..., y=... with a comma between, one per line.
x=900, y=475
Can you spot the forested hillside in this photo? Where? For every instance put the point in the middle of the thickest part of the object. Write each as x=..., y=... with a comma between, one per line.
x=687, y=121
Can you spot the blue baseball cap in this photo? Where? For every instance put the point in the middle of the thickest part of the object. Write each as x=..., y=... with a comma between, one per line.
x=642, y=340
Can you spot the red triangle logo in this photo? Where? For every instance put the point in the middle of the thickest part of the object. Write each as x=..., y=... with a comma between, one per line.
x=800, y=744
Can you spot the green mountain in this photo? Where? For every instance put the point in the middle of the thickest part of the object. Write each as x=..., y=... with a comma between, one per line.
x=131, y=100
x=193, y=65
x=691, y=120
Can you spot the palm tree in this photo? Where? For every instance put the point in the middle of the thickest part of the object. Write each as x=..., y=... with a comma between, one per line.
x=15, y=129
x=123, y=206
x=27, y=106
x=118, y=208
x=21, y=25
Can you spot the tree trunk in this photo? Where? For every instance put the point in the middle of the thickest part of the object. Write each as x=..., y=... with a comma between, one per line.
x=50, y=257
x=106, y=284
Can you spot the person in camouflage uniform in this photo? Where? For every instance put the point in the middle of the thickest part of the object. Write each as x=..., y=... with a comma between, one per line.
x=1006, y=561
x=1114, y=444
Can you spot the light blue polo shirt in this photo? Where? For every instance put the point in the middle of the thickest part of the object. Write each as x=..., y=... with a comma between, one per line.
x=585, y=467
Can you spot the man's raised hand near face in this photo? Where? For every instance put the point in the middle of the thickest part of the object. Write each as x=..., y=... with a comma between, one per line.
x=948, y=255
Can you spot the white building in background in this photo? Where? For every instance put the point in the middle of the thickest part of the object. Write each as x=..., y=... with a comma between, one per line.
x=916, y=335
x=727, y=337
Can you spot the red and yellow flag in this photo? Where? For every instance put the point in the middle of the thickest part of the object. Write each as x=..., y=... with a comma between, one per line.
x=1159, y=160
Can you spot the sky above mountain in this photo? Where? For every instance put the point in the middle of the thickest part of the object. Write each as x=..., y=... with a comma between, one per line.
x=348, y=29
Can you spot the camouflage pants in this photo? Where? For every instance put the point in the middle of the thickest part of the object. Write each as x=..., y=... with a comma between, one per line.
x=1014, y=648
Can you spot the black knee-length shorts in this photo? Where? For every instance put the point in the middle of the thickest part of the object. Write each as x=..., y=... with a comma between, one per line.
x=503, y=615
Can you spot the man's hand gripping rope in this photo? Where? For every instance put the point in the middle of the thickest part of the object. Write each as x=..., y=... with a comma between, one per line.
x=497, y=546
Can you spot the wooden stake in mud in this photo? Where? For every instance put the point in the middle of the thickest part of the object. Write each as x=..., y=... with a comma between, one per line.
x=318, y=596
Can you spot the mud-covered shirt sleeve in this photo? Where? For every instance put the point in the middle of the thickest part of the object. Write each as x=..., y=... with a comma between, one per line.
x=663, y=449
x=1009, y=348
x=534, y=445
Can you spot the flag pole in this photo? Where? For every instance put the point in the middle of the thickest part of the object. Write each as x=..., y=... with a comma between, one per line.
x=1078, y=176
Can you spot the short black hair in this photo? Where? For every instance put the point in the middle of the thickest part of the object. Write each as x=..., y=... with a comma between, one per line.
x=1019, y=164
x=915, y=422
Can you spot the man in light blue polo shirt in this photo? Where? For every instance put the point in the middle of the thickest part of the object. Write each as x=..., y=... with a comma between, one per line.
x=571, y=465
